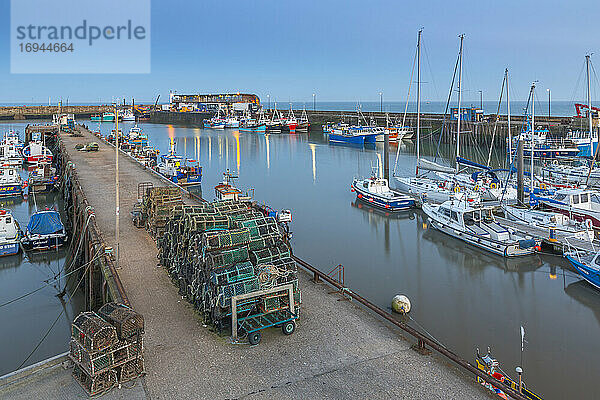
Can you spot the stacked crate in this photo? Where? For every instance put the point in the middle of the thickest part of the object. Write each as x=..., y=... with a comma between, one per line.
x=218, y=250
x=107, y=347
x=156, y=208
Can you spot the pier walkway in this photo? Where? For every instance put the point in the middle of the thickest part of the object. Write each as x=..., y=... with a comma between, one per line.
x=338, y=351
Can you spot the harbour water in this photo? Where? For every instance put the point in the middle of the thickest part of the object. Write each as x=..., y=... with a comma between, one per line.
x=463, y=297
x=28, y=320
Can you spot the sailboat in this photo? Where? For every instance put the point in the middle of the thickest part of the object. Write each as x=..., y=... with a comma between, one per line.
x=424, y=188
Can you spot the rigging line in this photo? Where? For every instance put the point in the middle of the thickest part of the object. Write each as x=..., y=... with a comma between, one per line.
x=55, y=321
x=50, y=282
x=444, y=121
x=405, y=109
x=430, y=70
x=496, y=121
x=577, y=82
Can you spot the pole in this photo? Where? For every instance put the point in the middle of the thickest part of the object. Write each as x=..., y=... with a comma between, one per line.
x=380, y=101
x=589, y=101
x=418, y=100
x=117, y=185
x=459, y=100
x=508, y=111
x=520, y=168
x=548, y=108
x=314, y=101
x=532, y=135
x=386, y=154
x=269, y=101
x=481, y=100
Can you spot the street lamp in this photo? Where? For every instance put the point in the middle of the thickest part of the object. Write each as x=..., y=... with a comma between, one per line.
x=548, y=90
x=314, y=102
x=481, y=99
x=381, y=101
x=269, y=102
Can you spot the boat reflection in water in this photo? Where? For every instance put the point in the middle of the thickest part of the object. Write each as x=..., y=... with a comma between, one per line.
x=476, y=260
x=584, y=293
x=11, y=262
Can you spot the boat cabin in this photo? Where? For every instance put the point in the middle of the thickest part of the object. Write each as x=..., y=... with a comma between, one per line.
x=465, y=218
x=578, y=198
x=376, y=185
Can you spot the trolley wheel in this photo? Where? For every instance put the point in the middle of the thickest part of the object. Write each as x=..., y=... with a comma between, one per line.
x=288, y=328
x=254, y=338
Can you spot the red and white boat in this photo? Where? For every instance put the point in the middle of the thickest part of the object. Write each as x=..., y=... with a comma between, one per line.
x=36, y=152
x=580, y=205
x=291, y=123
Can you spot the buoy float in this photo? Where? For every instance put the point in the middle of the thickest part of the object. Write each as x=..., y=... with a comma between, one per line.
x=401, y=304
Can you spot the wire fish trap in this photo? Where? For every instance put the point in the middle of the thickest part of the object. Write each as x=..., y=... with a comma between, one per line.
x=127, y=322
x=92, y=332
x=265, y=226
x=221, y=240
x=269, y=254
x=131, y=370
x=270, y=275
x=199, y=223
x=92, y=363
x=279, y=301
x=236, y=273
x=262, y=242
x=95, y=385
x=226, y=292
x=226, y=258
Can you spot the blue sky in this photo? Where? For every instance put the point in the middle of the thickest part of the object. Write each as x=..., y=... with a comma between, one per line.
x=342, y=50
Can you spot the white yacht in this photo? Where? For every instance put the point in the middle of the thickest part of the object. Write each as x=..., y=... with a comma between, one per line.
x=476, y=225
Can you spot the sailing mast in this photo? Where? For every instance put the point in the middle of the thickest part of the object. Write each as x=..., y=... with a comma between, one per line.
x=589, y=101
x=418, y=101
x=508, y=112
x=459, y=100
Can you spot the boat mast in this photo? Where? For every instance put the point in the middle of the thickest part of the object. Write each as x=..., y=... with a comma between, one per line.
x=418, y=101
x=117, y=201
x=508, y=116
x=459, y=100
x=532, y=134
x=589, y=101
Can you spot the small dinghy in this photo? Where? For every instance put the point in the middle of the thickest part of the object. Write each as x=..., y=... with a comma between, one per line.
x=10, y=234
x=377, y=193
x=44, y=231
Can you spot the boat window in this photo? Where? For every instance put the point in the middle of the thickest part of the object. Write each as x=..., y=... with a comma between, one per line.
x=584, y=197
x=445, y=212
x=455, y=216
x=594, y=198
x=366, y=185
x=10, y=171
x=575, y=199
x=469, y=220
x=597, y=260
x=8, y=220
x=560, y=196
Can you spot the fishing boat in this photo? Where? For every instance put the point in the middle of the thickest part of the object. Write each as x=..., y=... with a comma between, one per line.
x=249, y=124
x=127, y=115
x=491, y=366
x=108, y=116
x=303, y=122
x=42, y=179
x=227, y=191
x=36, y=152
x=343, y=134
x=10, y=155
x=290, y=123
x=12, y=138
x=543, y=146
x=44, y=231
x=216, y=122
x=587, y=265
x=137, y=137
x=10, y=234
x=11, y=183
x=232, y=122
x=576, y=203
x=376, y=192
x=96, y=118
x=275, y=123
x=464, y=219
x=575, y=172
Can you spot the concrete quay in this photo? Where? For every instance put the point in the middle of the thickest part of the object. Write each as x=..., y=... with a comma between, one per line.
x=338, y=351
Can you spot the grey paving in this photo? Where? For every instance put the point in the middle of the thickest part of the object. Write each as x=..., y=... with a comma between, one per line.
x=339, y=350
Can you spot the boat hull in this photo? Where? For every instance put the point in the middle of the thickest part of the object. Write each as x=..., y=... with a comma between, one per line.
x=588, y=274
x=9, y=248
x=334, y=137
x=11, y=190
x=45, y=242
x=381, y=202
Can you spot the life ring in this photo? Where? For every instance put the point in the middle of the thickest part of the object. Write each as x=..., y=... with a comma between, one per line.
x=3, y=212
x=494, y=185
x=456, y=189
x=555, y=162
x=543, y=186
x=589, y=224
x=476, y=188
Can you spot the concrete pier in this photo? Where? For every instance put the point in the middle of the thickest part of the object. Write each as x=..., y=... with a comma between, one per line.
x=339, y=350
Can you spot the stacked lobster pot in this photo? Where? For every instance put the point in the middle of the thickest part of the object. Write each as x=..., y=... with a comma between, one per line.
x=156, y=208
x=107, y=347
x=215, y=251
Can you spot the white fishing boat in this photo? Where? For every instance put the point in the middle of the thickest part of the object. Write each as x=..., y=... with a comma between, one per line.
x=12, y=138
x=10, y=234
x=127, y=115
x=36, y=152
x=11, y=183
x=475, y=224
x=232, y=122
x=227, y=191
x=376, y=192
x=10, y=155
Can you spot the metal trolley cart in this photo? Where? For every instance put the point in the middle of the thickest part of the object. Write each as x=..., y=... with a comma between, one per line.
x=253, y=324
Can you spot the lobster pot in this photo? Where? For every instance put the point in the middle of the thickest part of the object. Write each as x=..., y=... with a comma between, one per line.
x=92, y=332
x=221, y=240
x=226, y=292
x=227, y=208
x=236, y=273
x=259, y=227
x=130, y=370
x=262, y=242
x=95, y=385
x=245, y=215
x=127, y=322
x=226, y=257
x=270, y=276
x=286, y=264
x=95, y=364
x=269, y=254
x=201, y=223
x=280, y=301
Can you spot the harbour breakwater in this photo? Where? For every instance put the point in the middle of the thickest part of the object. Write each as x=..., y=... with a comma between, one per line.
x=46, y=112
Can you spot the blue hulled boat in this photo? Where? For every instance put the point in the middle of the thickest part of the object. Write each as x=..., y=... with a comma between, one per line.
x=345, y=135
x=44, y=231
x=587, y=266
x=377, y=193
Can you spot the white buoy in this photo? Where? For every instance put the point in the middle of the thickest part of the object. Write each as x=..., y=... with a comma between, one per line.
x=401, y=304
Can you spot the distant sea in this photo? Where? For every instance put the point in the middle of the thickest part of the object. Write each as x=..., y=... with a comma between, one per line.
x=557, y=108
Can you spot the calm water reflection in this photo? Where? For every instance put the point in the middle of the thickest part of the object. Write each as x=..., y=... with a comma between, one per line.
x=26, y=321
x=464, y=297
